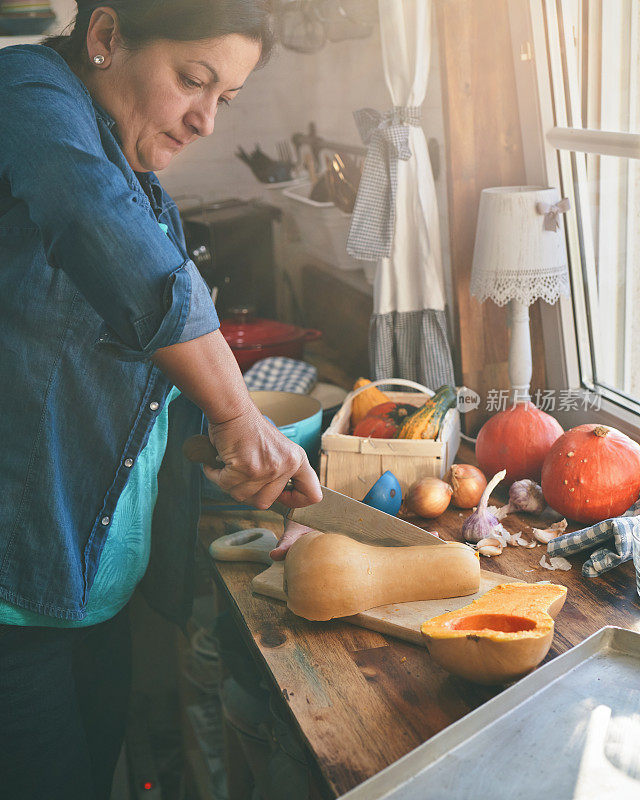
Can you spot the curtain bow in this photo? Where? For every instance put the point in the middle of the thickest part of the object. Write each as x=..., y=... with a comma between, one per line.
x=552, y=213
x=374, y=214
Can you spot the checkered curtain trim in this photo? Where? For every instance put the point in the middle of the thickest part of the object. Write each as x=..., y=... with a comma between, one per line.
x=374, y=213
x=615, y=533
x=412, y=345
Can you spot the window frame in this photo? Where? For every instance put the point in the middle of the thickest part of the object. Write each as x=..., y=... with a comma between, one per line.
x=548, y=161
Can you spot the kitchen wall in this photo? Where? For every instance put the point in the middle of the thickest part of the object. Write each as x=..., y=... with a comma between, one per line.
x=281, y=99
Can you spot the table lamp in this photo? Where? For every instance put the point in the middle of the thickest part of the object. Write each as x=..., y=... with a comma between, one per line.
x=520, y=255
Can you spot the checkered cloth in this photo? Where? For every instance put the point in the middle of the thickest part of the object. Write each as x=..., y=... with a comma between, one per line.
x=280, y=374
x=615, y=532
x=374, y=213
x=412, y=345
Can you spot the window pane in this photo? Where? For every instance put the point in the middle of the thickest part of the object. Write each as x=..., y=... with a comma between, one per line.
x=601, y=46
x=607, y=193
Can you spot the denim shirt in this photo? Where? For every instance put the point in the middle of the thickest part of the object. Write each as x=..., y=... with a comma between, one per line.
x=94, y=277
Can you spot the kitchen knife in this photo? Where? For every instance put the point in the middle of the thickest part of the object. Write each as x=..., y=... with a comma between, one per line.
x=336, y=512
x=339, y=513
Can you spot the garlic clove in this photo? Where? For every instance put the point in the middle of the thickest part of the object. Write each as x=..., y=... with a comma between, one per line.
x=558, y=562
x=545, y=535
x=519, y=539
x=490, y=550
x=555, y=562
x=491, y=546
x=491, y=541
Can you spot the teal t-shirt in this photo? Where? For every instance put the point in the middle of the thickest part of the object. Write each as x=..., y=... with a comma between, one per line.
x=125, y=555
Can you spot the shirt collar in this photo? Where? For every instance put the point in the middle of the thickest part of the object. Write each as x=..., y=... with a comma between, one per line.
x=106, y=117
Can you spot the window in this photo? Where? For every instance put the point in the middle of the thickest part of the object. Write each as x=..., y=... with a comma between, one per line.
x=586, y=57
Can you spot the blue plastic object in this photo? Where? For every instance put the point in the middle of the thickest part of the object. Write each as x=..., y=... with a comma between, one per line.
x=385, y=494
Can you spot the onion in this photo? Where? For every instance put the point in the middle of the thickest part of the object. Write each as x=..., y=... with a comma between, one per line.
x=467, y=483
x=428, y=498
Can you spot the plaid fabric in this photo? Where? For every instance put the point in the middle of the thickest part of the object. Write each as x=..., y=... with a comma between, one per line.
x=374, y=213
x=412, y=345
x=615, y=532
x=280, y=374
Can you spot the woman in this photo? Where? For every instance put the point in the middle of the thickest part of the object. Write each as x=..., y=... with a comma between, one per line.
x=102, y=315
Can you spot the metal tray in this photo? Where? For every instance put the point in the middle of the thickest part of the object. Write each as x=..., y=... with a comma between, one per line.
x=568, y=731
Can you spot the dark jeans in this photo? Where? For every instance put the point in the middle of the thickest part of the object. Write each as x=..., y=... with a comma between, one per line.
x=64, y=695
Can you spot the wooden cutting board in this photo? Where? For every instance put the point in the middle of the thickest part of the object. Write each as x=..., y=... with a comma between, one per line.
x=402, y=620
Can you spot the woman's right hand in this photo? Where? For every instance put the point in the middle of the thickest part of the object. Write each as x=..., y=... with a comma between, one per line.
x=259, y=461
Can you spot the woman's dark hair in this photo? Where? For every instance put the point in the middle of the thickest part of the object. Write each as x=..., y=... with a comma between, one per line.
x=145, y=21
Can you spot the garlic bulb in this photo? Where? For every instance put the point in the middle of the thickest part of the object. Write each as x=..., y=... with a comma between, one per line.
x=482, y=524
x=524, y=495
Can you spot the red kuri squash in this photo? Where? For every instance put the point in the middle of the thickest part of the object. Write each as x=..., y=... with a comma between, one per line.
x=517, y=439
x=384, y=420
x=591, y=473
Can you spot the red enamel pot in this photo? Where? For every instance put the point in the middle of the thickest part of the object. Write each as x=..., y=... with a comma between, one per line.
x=251, y=338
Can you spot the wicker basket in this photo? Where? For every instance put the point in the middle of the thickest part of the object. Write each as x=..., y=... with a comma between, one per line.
x=352, y=464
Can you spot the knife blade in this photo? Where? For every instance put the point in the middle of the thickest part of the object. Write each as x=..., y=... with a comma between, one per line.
x=336, y=512
x=339, y=513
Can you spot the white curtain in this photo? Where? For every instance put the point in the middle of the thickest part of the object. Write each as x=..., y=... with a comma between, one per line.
x=408, y=335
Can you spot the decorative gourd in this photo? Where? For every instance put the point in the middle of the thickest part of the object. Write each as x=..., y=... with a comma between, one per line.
x=592, y=473
x=364, y=401
x=517, y=439
x=329, y=575
x=500, y=636
x=383, y=421
x=425, y=423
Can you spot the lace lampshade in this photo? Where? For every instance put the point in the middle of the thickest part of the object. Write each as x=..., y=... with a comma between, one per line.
x=520, y=251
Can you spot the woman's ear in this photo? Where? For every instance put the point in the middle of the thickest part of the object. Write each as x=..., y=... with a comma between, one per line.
x=102, y=37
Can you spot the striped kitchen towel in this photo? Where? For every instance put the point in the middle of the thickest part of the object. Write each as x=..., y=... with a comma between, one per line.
x=281, y=374
x=614, y=533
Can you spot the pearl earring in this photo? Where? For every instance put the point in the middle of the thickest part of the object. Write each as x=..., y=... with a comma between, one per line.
x=99, y=59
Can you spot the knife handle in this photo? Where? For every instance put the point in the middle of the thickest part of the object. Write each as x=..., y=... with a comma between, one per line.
x=200, y=450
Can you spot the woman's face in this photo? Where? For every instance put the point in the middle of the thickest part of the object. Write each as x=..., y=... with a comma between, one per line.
x=166, y=95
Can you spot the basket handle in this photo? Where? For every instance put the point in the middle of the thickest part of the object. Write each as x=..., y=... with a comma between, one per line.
x=394, y=382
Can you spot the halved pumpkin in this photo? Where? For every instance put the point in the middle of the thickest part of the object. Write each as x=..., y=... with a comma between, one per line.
x=500, y=636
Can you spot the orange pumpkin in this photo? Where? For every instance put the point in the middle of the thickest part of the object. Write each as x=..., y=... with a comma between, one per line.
x=517, y=439
x=591, y=473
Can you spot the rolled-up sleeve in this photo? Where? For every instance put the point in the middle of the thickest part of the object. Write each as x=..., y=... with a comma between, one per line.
x=94, y=221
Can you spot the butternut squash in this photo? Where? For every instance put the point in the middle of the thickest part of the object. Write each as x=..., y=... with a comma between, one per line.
x=329, y=575
x=500, y=636
x=363, y=403
x=425, y=422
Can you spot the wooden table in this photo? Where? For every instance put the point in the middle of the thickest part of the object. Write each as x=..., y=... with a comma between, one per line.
x=362, y=700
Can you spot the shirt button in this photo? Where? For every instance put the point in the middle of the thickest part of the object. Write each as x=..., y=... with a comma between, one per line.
x=128, y=462
x=154, y=406
x=106, y=521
